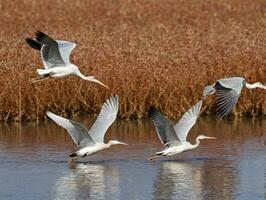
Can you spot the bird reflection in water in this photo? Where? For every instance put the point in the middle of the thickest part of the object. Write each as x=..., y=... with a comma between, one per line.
x=176, y=180
x=195, y=180
x=88, y=181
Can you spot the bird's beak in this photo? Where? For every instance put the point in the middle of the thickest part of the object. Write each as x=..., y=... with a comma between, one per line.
x=91, y=78
x=102, y=84
x=211, y=138
x=264, y=87
x=123, y=143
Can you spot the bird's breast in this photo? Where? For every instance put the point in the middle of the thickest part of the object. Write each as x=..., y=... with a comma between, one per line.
x=91, y=149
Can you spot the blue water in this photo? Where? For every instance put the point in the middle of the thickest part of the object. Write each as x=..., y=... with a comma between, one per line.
x=33, y=164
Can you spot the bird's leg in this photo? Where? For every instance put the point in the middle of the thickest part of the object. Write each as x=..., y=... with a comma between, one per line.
x=38, y=79
x=33, y=80
x=152, y=158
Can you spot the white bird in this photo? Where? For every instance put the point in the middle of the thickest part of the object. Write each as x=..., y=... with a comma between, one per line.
x=55, y=56
x=92, y=141
x=174, y=138
x=228, y=92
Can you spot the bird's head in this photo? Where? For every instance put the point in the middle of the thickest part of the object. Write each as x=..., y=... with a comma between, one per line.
x=201, y=137
x=260, y=85
x=114, y=142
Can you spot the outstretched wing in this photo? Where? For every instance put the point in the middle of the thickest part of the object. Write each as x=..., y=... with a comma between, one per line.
x=49, y=51
x=104, y=120
x=226, y=101
x=187, y=121
x=33, y=44
x=228, y=92
x=78, y=132
x=164, y=128
x=65, y=49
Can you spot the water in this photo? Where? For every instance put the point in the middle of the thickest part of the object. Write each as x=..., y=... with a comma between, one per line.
x=33, y=164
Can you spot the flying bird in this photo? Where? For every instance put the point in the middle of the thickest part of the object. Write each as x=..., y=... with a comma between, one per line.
x=55, y=56
x=92, y=141
x=174, y=138
x=228, y=92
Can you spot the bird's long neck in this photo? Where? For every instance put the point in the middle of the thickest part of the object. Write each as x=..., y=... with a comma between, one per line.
x=87, y=78
x=194, y=146
x=79, y=74
x=105, y=145
x=109, y=144
x=250, y=86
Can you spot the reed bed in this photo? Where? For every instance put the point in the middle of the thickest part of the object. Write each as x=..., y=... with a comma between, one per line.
x=159, y=53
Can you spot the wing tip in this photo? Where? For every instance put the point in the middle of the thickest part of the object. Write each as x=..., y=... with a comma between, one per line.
x=48, y=113
x=33, y=44
x=51, y=115
x=152, y=112
x=111, y=104
x=222, y=114
x=198, y=107
x=113, y=101
x=39, y=34
x=42, y=37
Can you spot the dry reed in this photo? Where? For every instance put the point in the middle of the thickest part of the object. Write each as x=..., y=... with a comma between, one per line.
x=159, y=53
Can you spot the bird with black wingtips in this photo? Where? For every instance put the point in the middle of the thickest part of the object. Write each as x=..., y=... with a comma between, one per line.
x=174, y=138
x=92, y=141
x=55, y=56
x=228, y=91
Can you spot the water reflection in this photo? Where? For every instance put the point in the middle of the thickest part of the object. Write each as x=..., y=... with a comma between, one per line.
x=218, y=179
x=195, y=180
x=33, y=164
x=176, y=180
x=88, y=181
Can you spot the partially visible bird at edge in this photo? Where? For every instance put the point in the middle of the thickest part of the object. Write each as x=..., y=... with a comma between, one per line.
x=228, y=91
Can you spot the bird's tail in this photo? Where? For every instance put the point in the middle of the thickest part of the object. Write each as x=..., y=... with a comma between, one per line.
x=208, y=90
x=159, y=153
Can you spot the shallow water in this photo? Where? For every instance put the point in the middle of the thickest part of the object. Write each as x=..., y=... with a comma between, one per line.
x=33, y=164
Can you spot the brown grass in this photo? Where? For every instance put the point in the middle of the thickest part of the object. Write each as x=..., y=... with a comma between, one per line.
x=149, y=52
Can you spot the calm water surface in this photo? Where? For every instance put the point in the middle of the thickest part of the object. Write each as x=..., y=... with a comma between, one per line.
x=33, y=164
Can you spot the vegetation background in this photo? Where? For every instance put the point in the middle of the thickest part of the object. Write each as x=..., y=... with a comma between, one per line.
x=150, y=52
